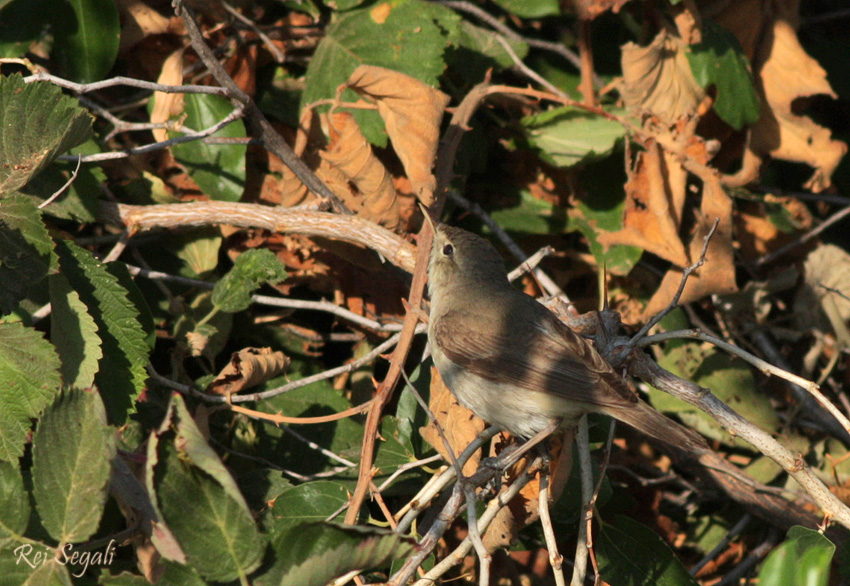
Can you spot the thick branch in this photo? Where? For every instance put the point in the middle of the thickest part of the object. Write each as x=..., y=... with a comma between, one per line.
x=352, y=229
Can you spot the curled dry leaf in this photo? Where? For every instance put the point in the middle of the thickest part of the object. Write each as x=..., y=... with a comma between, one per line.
x=138, y=20
x=657, y=79
x=351, y=154
x=786, y=73
x=655, y=200
x=167, y=105
x=412, y=111
x=247, y=368
x=460, y=425
x=717, y=275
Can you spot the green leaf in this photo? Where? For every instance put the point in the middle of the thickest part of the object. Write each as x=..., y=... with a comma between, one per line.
x=51, y=573
x=312, y=554
x=22, y=23
x=251, y=269
x=198, y=248
x=14, y=505
x=137, y=298
x=218, y=169
x=720, y=61
x=308, y=502
x=121, y=375
x=26, y=250
x=411, y=39
x=86, y=38
x=568, y=136
x=532, y=216
x=29, y=369
x=530, y=8
x=200, y=501
x=37, y=124
x=803, y=558
x=631, y=554
x=72, y=449
x=74, y=334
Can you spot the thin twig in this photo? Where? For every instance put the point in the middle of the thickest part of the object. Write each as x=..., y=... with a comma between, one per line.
x=556, y=560
x=833, y=219
x=632, y=344
x=84, y=88
x=762, y=365
x=261, y=127
x=273, y=49
x=62, y=189
x=528, y=71
x=586, y=468
x=324, y=306
x=727, y=539
x=235, y=114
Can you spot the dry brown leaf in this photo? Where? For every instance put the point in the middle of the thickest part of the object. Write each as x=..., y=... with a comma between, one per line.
x=717, y=275
x=657, y=79
x=351, y=154
x=138, y=20
x=412, y=111
x=525, y=508
x=655, y=199
x=823, y=300
x=167, y=105
x=459, y=424
x=247, y=368
x=786, y=74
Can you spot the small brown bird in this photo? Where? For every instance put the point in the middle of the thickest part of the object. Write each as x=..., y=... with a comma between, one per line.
x=512, y=361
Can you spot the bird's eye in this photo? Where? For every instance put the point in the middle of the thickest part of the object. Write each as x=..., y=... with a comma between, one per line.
x=448, y=250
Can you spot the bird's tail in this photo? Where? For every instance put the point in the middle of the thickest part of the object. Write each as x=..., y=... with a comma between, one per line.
x=648, y=421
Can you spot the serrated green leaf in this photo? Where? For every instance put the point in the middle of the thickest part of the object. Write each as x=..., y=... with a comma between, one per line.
x=120, y=272
x=251, y=269
x=218, y=169
x=26, y=250
x=37, y=124
x=74, y=334
x=121, y=375
x=410, y=39
x=531, y=8
x=14, y=505
x=72, y=449
x=29, y=369
x=568, y=136
x=803, y=558
x=631, y=554
x=200, y=501
x=313, y=554
x=720, y=61
x=86, y=38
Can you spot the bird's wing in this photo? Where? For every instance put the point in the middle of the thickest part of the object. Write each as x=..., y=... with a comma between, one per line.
x=550, y=358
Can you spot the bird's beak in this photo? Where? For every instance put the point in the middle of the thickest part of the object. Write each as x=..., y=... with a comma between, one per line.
x=428, y=217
